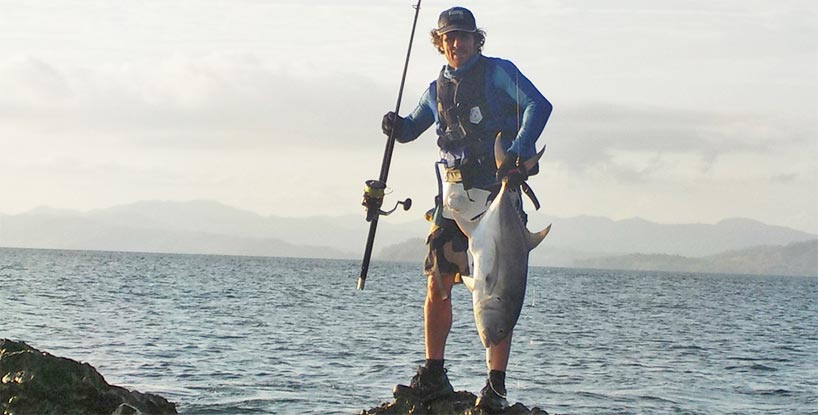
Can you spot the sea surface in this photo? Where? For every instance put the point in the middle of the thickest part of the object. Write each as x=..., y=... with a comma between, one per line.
x=244, y=335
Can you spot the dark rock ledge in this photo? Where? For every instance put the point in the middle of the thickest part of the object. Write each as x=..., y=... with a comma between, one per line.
x=35, y=382
x=461, y=403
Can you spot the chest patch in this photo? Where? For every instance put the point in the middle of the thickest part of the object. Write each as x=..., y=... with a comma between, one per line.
x=475, y=116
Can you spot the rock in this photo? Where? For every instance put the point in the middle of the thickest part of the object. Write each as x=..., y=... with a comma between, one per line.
x=35, y=382
x=461, y=403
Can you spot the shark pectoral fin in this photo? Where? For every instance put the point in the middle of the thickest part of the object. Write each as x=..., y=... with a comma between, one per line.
x=468, y=281
x=534, y=239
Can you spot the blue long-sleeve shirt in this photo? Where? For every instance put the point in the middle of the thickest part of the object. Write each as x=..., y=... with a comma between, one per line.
x=504, y=83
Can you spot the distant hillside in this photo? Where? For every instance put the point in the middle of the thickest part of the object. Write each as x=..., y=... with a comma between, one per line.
x=799, y=258
x=200, y=226
x=603, y=235
x=209, y=227
x=84, y=233
x=410, y=250
x=414, y=250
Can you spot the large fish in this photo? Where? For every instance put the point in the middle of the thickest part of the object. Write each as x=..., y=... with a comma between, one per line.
x=500, y=243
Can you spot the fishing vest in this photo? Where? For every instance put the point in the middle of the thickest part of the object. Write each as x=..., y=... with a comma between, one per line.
x=465, y=123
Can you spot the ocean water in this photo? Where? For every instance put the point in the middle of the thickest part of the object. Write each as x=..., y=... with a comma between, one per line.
x=231, y=335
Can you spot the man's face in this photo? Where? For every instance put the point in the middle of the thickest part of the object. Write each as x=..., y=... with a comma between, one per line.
x=458, y=47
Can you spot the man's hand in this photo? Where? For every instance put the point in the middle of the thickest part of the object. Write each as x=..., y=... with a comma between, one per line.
x=513, y=168
x=392, y=121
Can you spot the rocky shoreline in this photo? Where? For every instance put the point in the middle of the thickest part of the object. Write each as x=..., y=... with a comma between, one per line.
x=36, y=382
x=461, y=403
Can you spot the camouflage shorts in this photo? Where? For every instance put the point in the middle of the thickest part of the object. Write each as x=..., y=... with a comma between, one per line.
x=447, y=246
x=446, y=249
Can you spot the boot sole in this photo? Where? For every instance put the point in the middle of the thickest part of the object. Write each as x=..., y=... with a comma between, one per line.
x=489, y=407
x=403, y=391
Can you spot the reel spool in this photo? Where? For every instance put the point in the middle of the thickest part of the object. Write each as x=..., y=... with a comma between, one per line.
x=374, y=191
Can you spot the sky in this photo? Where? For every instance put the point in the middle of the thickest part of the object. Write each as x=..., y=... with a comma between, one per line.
x=681, y=111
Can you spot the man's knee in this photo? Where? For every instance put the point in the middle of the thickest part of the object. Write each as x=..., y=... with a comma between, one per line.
x=436, y=287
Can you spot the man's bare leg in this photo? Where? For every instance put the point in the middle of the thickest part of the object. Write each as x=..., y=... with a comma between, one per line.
x=493, y=395
x=431, y=381
x=497, y=355
x=437, y=315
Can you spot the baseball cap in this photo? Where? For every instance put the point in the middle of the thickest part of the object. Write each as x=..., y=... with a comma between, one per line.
x=456, y=18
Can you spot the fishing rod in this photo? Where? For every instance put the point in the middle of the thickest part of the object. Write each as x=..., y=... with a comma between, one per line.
x=374, y=190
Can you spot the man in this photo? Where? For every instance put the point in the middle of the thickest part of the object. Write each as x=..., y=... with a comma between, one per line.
x=473, y=99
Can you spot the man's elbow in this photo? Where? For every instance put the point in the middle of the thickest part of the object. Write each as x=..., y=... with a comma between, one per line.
x=546, y=107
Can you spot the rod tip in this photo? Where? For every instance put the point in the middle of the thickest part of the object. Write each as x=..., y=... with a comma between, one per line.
x=361, y=283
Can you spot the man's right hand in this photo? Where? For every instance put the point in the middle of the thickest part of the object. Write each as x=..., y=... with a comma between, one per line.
x=513, y=169
x=392, y=121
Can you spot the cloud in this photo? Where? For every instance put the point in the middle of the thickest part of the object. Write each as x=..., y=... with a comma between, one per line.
x=31, y=87
x=667, y=110
x=593, y=129
x=217, y=101
x=635, y=143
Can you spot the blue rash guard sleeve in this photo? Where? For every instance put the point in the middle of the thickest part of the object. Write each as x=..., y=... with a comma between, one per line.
x=421, y=118
x=534, y=107
x=505, y=79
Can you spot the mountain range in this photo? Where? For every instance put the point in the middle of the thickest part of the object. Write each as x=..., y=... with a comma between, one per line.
x=208, y=227
x=797, y=258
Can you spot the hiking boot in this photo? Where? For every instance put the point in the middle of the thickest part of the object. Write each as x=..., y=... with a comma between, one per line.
x=492, y=399
x=427, y=385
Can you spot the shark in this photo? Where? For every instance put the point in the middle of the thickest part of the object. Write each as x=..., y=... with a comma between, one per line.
x=500, y=243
